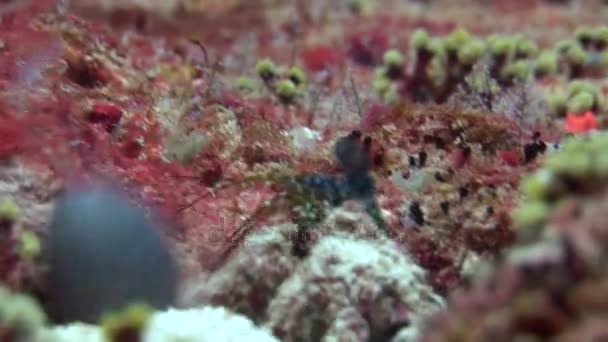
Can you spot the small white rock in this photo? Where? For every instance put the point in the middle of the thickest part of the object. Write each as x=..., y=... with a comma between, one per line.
x=304, y=138
x=207, y=324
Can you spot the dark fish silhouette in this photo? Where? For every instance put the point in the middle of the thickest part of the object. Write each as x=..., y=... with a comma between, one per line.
x=104, y=254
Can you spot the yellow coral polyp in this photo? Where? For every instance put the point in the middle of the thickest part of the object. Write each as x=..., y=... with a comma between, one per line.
x=557, y=103
x=130, y=321
x=546, y=63
x=9, y=211
x=535, y=187
x=576, y=55
x=499, y=46
x=393, y=59
x=381, y=85
x=420, y=39
x=29, y=245
x=517, y=70
x=584, y=33
x=530, y=214
x=457, y=38
x=601, y=35
x=297, y=76
x=527, y=48
x=471, y=52
x=266, y=68
x=245, y=84
x=286, y=90
x=580, y=103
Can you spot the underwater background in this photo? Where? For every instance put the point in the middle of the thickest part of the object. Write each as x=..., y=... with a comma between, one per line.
x=303, y=170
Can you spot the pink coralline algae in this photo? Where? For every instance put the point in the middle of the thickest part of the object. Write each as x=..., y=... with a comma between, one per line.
x=336, y=170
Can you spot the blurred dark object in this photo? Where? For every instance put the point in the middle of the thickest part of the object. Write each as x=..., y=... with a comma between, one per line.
x=104, y=254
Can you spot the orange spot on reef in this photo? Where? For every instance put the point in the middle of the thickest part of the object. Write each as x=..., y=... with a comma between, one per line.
x=577, y=124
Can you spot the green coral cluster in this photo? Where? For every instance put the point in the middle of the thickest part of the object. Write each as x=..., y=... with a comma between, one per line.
x=441, y=64
x=579, y=165
x=28, y=245
x=392, y=69
x=578, y=98
x=587, y=53
x=512, y=58
x=286, y=83
x=21, y=319
x=592, y=38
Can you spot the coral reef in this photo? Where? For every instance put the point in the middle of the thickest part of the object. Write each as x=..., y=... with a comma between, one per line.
x=325, y=170
x=249, y=279
x=344, y=282
x=550, y=284
x=353, y=277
